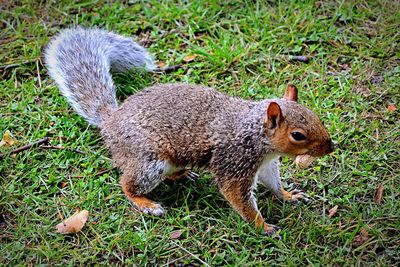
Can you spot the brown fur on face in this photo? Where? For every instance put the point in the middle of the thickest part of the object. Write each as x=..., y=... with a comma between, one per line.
x=316, y=146
x=283, y=121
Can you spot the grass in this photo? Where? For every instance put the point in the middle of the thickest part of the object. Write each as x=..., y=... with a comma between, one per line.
x=243, y=49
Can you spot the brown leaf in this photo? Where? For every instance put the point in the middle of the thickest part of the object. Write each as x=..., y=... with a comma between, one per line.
x=161, y=65
x=213, y=250
x=175, y=234
x=74, y=223
x=8, y=139
x=361, y=238
x=378, y=195
x=392, y=108
x=333, y=211
x=63, y=184
x=189, y=58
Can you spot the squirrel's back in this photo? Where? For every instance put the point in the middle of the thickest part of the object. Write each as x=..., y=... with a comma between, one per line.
x=80, y=60
x=183, y=122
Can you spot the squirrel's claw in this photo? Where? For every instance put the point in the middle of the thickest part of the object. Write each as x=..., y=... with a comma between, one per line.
x=183, y=174
x=192, y=176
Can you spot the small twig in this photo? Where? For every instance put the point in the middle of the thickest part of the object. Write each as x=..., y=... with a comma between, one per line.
x=166, y=33
x=38, y=74
x=190, y=253
x=170, y=263
x=96, y=175
x=101, y=172
x=168, y=69
x=61, y=147
x=23, y=148
x=9, y=66
x=3, y=236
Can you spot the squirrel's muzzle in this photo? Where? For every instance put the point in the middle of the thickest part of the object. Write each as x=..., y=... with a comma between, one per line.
x=323, y=148
x=334, y=146
x=330, y=147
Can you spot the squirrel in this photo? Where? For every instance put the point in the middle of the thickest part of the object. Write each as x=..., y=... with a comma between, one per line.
x=166, y=130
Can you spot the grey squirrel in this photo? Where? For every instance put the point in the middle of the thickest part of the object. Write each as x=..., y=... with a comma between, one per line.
x=165, y=130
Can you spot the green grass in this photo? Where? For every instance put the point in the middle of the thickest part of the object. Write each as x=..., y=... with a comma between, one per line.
x=243, y=49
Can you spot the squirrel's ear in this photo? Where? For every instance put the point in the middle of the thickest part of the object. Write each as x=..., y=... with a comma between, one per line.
x=290, y=93
x=274, y=116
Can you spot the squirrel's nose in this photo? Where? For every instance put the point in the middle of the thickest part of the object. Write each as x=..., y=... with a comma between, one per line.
x=332, y=146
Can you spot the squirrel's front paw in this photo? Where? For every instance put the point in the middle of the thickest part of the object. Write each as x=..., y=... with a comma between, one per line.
x=270, y=230
x=297, y=195
x=156, y=210
x=147, y=206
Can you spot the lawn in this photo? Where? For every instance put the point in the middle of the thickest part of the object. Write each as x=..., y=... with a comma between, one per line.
x=243, y=48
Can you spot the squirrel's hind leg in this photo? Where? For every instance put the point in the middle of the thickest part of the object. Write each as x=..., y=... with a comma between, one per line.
x=138, y=180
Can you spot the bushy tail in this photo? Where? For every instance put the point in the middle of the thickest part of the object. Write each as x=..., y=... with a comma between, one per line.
x=80, y=60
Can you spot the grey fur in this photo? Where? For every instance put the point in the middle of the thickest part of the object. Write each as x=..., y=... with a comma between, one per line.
x=79, y=60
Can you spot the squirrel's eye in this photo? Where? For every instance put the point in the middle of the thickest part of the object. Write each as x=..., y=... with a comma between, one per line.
x=298, y=136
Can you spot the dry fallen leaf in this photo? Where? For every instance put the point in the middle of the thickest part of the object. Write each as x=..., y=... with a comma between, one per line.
x=189, y=58
x=175, y=234
x=361, y=238
x=333, y=211
x=392, y=108
x=303, y=161
x=378, y=195
x=74, y=223
x=213, y=250
x=161, y=65
x=63, y=184
x=8, y=139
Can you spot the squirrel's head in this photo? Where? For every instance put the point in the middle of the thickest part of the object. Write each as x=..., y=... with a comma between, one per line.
x=294, y=129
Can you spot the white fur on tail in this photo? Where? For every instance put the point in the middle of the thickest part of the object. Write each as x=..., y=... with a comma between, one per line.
x=80, y=60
